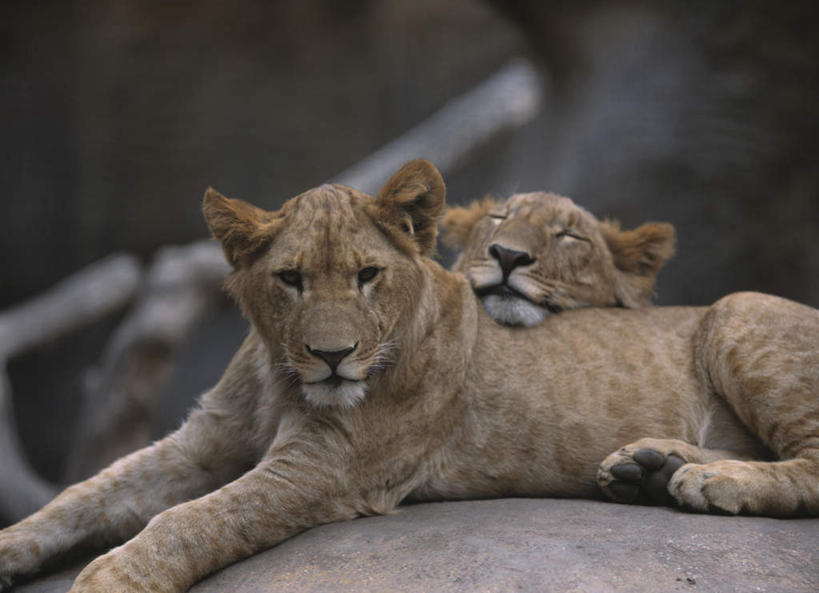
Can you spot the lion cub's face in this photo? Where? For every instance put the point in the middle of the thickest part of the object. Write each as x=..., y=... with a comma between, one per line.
x=539, y=253
x=328, y=280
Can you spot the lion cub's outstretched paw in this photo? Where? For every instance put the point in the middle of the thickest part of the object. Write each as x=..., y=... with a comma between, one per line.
x=5, y=583
x=637, y=474
x=725, y=486
x=105, y=574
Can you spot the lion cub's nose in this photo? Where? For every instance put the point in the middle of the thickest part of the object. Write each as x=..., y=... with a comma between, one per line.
x=332, y=358
x=509, y=259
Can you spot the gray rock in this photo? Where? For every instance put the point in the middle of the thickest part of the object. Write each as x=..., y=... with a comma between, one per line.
x=527, y=545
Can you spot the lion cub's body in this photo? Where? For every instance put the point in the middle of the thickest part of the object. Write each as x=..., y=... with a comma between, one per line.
x=433, y=399
x=547, y=404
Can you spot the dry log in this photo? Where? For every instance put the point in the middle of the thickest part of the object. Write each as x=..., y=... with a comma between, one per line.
x=506, y=100
x=84, y=297
x=181, y=288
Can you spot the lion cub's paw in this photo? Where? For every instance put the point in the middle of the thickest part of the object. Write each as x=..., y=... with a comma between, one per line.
x=105, y=574
x=19, y=554
x=637, y=474
x=725, y=486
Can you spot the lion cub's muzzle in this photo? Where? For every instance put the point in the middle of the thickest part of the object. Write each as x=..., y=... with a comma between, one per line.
x=333, y=376
x=507, y=292
x=331, y=365
x=509, y=259
x=333, y=360
x=494, y=275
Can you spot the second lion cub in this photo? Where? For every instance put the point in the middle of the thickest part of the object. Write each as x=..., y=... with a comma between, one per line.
x=540, y=253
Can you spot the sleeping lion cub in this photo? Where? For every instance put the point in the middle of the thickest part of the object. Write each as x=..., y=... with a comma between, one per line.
x=372, y=376
x=539, y=253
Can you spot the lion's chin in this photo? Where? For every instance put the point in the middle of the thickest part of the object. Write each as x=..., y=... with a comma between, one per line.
x=513, y=310
x=345, y=394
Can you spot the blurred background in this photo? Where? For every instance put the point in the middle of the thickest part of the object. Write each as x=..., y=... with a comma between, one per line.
x=116, y=116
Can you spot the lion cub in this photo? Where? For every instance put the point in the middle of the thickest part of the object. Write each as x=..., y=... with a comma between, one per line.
x=540, y=253
x=371, y=375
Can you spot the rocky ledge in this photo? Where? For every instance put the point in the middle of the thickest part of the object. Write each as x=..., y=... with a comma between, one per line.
x=527, y=545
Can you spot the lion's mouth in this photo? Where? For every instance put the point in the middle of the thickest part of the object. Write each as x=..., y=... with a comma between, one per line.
x=505, y=291
x=333, y=380
x=502, y=290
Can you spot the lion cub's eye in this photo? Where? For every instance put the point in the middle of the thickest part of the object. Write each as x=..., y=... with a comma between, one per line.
x=496, y=216
x=568, y=234
x=291, y=278
x=367, y=274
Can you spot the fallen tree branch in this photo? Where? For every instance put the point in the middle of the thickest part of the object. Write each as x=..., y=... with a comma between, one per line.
x=506, y=100
x=180, y=289
x=81, y=299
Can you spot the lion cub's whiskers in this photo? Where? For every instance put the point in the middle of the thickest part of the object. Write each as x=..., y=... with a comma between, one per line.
x=382, y=358
x=287, y=375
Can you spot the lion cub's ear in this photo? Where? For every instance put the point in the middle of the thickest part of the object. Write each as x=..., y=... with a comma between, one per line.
x=241, y=228
x=639, y=254
x=411, y=203
x=458, y=221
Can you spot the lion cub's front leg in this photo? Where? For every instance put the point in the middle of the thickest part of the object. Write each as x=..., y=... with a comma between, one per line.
x=103, y=510
x=781, y=488
x=276, y=500
x=116, y=503
x=641, y=471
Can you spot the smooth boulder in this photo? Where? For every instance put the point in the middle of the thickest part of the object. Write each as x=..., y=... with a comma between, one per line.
x=527, y=545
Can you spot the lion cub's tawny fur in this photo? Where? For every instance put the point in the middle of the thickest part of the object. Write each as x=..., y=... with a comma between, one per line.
x=563, y=258
x=371, y=376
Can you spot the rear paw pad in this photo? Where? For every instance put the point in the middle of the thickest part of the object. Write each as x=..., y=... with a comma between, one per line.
x=639, y=477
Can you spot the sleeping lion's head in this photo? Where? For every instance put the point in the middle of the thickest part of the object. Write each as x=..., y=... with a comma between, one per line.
x=331, y=281
x=540, y=253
